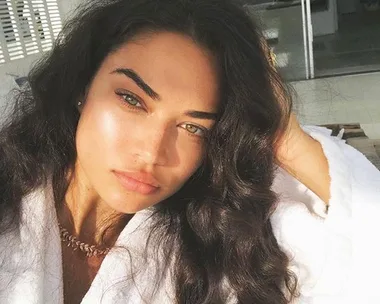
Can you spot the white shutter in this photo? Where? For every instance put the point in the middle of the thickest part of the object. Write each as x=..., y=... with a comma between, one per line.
x=2, y=60
x=27, y=27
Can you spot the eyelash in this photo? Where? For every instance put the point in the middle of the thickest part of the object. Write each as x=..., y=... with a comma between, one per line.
x=124, y=95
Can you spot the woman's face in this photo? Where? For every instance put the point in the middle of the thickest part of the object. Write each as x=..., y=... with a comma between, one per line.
x=141, y=132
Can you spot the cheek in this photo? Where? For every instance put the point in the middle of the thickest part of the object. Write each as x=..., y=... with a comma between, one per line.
x=98, y=131
x=191, y=156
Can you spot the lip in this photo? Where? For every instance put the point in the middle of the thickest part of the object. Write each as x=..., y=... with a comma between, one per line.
x=140, y=182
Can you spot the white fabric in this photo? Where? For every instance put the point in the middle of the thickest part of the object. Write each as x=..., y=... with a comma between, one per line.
x=335, y=257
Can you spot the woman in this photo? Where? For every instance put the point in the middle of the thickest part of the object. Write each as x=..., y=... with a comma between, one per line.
x=142, y=167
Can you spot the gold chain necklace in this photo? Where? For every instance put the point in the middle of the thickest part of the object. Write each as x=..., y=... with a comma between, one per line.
x=72, y=241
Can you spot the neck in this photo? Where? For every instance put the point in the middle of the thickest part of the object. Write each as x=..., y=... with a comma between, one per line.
x=85, y=215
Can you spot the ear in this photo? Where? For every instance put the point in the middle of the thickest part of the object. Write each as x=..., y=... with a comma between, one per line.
x=80, y=106
x=80, y=103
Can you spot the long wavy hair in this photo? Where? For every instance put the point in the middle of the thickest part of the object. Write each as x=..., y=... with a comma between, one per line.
x=219, y=222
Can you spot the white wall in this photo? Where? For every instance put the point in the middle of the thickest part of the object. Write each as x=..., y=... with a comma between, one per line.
x=67, y=7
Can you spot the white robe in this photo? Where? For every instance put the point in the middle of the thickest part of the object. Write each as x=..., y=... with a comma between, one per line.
x=335, y=256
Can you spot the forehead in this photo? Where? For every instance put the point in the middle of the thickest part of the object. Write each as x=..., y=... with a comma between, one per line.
x=172, y=64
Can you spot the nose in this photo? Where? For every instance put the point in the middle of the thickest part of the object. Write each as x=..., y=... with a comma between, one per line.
x=156, y=143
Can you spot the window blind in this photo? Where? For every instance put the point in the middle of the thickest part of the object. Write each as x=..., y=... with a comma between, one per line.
x=27, y=27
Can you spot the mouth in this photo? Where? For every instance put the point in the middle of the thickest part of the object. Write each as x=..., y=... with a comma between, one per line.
x=140, y=182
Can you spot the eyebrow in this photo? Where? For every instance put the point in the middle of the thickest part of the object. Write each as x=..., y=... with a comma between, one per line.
x=202, y=115
x=138, y=80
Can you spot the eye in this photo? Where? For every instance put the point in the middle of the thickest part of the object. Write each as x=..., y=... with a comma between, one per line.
x=194, y=130
x=130, y=99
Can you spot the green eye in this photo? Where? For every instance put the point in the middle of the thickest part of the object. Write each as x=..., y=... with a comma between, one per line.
x=131, y=100
x=194, y=130
x=191, y=128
